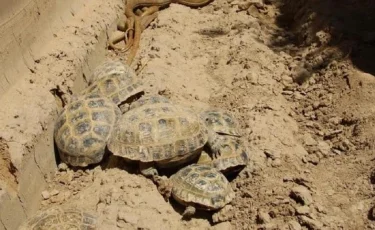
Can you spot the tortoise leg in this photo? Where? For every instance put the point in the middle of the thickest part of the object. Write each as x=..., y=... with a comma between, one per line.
x=148, y=169
x=189, y=211
x=214, y=143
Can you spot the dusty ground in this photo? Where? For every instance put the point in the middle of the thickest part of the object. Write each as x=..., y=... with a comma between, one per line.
x=309, y=127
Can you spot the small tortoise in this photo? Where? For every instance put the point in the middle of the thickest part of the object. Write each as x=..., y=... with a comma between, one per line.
x=158, y=131
x=115, y=81
x=200, y=187
x=233, y=156
x=229, y=155
x=61, y=218
x=111, y=67
x=221, y=122
x=83, y=128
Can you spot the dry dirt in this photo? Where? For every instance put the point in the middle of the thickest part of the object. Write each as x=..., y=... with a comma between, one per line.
x=306, y=112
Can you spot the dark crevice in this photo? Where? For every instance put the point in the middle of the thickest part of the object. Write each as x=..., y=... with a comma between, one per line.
x=59, y=96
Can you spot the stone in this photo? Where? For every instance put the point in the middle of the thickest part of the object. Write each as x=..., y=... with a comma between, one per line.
x=293, y=225
x=324, y=148
x=303, y=210
x=128, y=217
x=223, y=226
x=54, y=192
x=272, y=154
x=225, y=214
x=309, y=140
x=46, y=195
x=263, y=217
x=301, y=195
x=62, y=167
x=310, y=223
x=253, y=11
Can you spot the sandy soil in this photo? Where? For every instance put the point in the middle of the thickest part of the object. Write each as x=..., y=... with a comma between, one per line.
x=306, y=113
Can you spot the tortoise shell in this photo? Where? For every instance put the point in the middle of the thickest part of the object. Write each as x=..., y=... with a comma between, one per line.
x=201, y=186
x=115, y=81
x=148, y=100
x=232, y=155
x=221, y=122
x=109, y=68
x=163, y=132
x=83, y=128
x=58, y=218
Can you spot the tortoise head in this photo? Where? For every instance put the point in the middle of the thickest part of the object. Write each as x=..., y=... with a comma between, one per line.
x=220, y=122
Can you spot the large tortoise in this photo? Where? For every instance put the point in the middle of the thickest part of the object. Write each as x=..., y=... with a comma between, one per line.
x=200, y=187
x=83, y=128
x=156, y=131
x=61, y=218
x=114, y=80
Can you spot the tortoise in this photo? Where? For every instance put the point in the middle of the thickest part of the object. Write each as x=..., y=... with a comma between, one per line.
x=61, y=218
x=83, y=128
x=111, y=67
x=228, y=153
x=156, y=132
x=114, y=80
x=200, y=187
x=233, y=156
x=221, y=122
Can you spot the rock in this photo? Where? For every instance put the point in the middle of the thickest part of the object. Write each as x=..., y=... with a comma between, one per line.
x=46, y=195
x=303, y=210
x=263, y=217
x=62, y=167
x=324, y=148
x=272, y=154
x=302, y=195
x=223, y=226
x=54, y=192
x=253, y=11
x=276, y=163
x=59, y=198
x=309, y=140
x=320, y=208
x=300, y=74
x=128, y=217
x=293, y=225
x=313, y=159
x=310, y=223
x=224, y=214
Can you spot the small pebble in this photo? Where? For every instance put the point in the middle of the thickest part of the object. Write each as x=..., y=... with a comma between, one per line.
x=128, y=217
x=62, y=167
x=302, y=195
x=54, y=192
x=45, y=195
x=263, y=217
x=303, y=210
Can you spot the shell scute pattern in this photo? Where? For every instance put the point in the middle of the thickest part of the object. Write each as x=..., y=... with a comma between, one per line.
x=150, y=99
x=202, y=186
x=157, y=134
x=233, y=155
x=114, y=80
x=83, y=128
x=109, y=68
x=221, y=122
x=58, y=218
